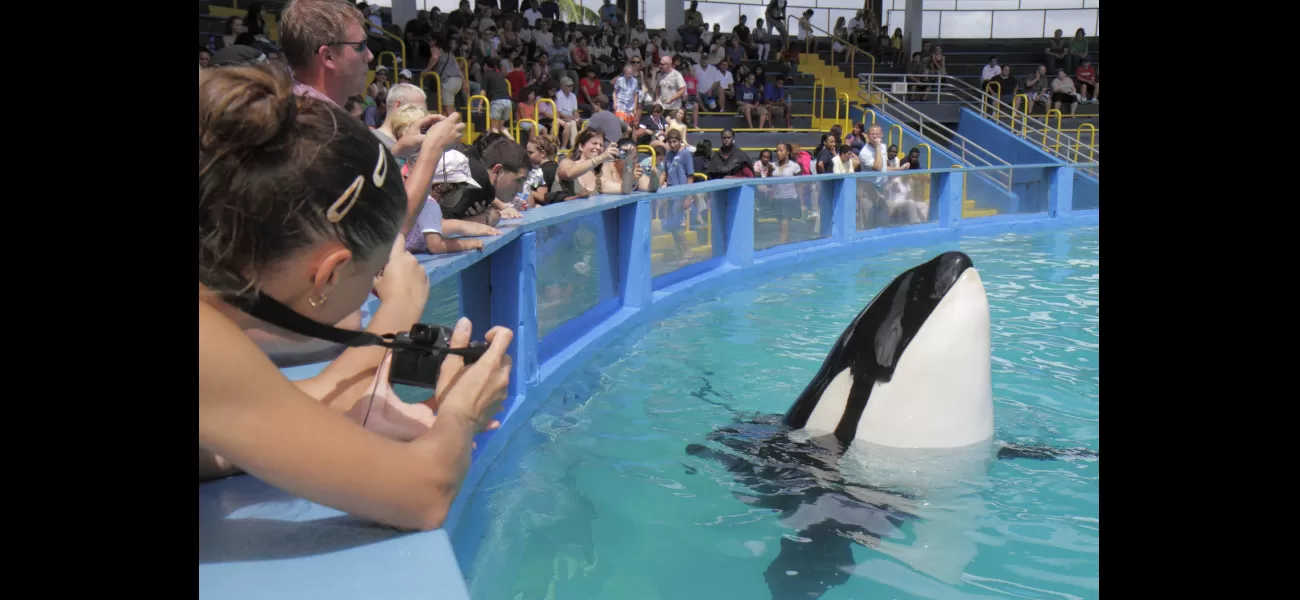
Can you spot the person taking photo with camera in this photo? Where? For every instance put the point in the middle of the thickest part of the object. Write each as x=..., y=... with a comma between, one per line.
x=301, y=208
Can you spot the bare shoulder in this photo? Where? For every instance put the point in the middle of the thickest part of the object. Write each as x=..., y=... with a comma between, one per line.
x=230, y=363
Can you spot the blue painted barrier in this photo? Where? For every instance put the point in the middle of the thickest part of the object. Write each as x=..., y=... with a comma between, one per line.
x=257, y=542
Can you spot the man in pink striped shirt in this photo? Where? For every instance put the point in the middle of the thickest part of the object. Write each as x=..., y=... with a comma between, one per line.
x=325, y=44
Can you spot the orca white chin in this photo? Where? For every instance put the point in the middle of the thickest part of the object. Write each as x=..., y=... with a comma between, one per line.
x=941, y=394
x=913, y=369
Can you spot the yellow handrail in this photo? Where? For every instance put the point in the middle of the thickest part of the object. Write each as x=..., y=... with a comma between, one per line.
x=818, y=82
x=925, y=179
x=821, y=102
x=437, y=84
x=537, y=127
x=510, y=120
x=464, y=75
x=1058, y=128
x=555, y=115
x=469, y=116
x=1092, y=137
x=984, y=100
x=853, y=63
x=379, y=62
x=889, y=141
x=654, y=158
x=847, y=101
x=1015, y=100
x=389, y=34
x=865, y=111
x=704, y=176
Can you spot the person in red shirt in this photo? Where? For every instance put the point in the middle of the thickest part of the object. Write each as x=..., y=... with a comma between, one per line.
x=515, y=75
x=588, y=89
x=691, y=100
x=1086, y=77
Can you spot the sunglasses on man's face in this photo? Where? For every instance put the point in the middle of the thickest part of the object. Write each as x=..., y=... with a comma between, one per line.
x=358, y=46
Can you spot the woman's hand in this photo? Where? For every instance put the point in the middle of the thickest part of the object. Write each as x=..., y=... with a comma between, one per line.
x=471, y=228
x=403, y=279
x=474, y=393
x=509, y=212
x=443, y=131
x=609, y=155
x=638, y=171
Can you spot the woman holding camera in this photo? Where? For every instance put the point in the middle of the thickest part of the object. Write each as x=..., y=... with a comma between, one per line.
x=593, y=168
x=300, y=203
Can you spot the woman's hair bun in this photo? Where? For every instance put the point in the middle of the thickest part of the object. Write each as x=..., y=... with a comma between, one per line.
x=244, y=107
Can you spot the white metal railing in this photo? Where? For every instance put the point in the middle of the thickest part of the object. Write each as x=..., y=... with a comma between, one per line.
x=967, y=151
x=941, y=88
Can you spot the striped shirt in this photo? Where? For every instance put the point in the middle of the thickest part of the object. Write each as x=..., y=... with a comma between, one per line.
x=302, y=89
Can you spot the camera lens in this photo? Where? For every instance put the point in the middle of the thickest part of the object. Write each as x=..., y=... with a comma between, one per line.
x=421, y=333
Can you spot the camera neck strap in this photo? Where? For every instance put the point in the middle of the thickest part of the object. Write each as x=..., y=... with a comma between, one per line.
x=270, y=310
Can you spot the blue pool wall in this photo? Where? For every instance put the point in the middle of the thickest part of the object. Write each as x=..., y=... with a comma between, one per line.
x=258, y=542
x=1030, y=185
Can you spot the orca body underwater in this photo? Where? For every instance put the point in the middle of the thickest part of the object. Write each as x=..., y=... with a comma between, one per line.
x=900, y=414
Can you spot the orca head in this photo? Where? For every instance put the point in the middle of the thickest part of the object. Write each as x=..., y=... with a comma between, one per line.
x=913, y=369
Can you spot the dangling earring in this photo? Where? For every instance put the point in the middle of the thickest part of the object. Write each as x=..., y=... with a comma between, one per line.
x=316, y=303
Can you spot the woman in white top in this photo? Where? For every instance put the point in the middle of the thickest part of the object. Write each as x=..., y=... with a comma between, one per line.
x=898, y=195
x=846, y=161
x=785, y=195
x=759, y=37
x=805, y=30
x=841, y=32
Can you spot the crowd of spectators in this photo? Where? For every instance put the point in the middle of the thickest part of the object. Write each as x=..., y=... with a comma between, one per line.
x=319, y=184
x=1049, y=86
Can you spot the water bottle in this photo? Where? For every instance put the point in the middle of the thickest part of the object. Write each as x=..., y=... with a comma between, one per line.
x=654, y=178
x=630, y=157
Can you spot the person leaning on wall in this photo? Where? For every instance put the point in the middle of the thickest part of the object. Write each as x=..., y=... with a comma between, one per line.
x=299, y=203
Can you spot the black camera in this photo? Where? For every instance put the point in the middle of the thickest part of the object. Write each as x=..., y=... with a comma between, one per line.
x=418, y=355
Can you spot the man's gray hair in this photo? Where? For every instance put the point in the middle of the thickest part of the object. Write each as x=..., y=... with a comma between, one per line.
x=404, y=93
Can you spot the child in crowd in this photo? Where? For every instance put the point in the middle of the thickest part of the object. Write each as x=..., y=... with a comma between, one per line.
x=430, y=232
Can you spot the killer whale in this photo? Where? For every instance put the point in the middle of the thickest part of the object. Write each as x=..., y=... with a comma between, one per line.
x=906, y=387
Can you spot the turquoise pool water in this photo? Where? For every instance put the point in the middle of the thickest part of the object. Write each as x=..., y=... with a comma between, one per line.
x=595, y=498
